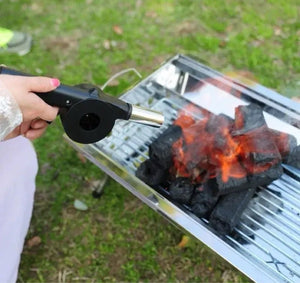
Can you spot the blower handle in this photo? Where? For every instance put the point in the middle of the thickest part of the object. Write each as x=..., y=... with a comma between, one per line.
x=63, y=96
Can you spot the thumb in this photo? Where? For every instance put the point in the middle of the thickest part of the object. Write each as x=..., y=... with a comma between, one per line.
x=41, y=84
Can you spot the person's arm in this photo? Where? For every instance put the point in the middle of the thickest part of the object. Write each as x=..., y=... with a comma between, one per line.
x=21, y=111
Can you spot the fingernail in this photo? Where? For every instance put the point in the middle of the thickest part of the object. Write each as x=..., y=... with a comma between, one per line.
x=55, y=82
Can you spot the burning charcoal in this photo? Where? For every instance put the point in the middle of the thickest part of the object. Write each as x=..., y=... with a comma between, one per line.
x=266, y=177
x=294, y=158
x=258, y=151
x=284, y=142
x=151, y=173
x=190, y=154
x=181, y=190
x=219, y=128
x=248, y=118
x=228, y=211
x=203, y=201
x=160, y=150
x=230, y=177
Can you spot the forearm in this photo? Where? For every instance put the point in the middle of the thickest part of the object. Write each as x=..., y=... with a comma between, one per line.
x=10, y=113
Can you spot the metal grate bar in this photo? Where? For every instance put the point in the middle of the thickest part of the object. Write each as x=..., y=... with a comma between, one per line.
x=269, y=242
x=259, y=249
x=288, y=224
x=268, y=252
x=285, y=203
x=287, y=188
x=269, y=262
x=295, y=249
x=292, y=182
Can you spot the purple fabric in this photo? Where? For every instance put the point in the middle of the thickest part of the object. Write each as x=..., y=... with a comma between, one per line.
x=18, y=169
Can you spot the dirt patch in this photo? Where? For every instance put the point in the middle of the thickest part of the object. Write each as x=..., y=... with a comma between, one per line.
x=63, y=44
x=65, y=47
x=116, y=261
x=188, y=27
x=132, y=204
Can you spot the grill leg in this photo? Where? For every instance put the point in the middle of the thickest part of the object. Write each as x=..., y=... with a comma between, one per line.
x=99, y=187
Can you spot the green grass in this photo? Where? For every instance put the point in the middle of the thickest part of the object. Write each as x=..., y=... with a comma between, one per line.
x=119, y=238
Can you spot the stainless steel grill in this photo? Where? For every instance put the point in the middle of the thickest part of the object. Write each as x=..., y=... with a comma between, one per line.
x=266, y=243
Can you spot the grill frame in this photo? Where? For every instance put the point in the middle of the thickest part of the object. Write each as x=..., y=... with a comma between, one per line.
x=179, y=215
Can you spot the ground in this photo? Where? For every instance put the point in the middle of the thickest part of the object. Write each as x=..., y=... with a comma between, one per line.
x=118, y=238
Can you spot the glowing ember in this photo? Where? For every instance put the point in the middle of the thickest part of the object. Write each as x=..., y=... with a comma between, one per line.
x=217, y=144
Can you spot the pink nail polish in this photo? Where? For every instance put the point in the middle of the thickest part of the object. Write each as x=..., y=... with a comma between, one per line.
x=55, y=82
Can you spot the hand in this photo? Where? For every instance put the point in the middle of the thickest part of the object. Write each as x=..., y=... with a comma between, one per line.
x=34, y=110
x=30, y=130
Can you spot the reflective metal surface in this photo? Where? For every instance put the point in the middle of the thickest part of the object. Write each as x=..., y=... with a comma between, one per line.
x=266, y=243
x=146, y=116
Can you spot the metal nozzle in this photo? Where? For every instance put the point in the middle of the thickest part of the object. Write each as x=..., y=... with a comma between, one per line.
x=146, y=116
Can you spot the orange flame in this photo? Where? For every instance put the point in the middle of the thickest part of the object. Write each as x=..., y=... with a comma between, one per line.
x=207, y=146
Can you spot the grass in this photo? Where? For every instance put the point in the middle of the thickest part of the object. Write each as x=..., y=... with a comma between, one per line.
x=118, y=238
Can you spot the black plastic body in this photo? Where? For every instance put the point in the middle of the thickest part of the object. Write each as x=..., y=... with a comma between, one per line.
x=87, y=114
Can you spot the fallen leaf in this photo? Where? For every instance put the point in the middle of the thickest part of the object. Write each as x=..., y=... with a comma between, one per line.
x=117, y=29
x=184, y=242
x=106, y=44
x=79, y=205
x=34, y=241
x=296, y=98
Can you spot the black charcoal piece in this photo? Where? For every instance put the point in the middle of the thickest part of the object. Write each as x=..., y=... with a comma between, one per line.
x=218, y=123
x=160, y=151
x=181, y=190
x=248, y=118
x=285, y=143
x=219, y=187
x=294, y=158
x=151, y=173
x=227, y=212
x=203, y=201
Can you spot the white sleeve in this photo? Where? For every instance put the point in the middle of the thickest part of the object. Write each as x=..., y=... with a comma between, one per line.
x=10, y=113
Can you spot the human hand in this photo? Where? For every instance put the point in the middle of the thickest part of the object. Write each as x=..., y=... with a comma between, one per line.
x=34, y=110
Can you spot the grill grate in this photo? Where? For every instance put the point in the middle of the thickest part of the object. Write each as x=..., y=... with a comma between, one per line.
x=269, y=231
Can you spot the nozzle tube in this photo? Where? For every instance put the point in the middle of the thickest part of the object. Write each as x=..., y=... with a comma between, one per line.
x=146, y=116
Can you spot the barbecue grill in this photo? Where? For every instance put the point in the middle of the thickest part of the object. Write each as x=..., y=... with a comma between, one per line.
x=266, y=243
